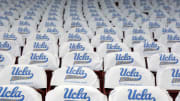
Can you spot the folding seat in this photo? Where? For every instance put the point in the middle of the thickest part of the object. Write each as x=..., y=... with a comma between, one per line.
x=44, y=60
x=42, y=37
x=46, y=23
x=168, y=78
x=149, y=48
x=124, y=23
x=72, y=24
x=6, y=59
x=129, y=76
x=35, y=13
x=69, y=37
x=45, y=46
x=95, y=25
x=19, y=93
x=176, y=48
x=24, y=31
x=175, y=25
x=11, y=15
x=72, y=92
x=158, y=14
x=84, y=59
x=135, y=36
x=165, y=31
x=112, y=47
x=28, y=75
x=6, y=36
x=162, y=60
x=170, y=20
x=11, y=47
x=123, y=59
x=22, y=22
x=4, y=26
x=75, y=76
x=170, y=39
x=110, y=31
x=56, y=31
x=139, y=93
x=83, y=30
x=68, y=47
x=101, y=38
x=142, y=20
x=152, y=26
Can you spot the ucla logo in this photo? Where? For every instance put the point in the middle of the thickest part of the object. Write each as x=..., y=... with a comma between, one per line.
x=7, y=36
x=113, y=48
x=122, y=19
x=13, y=9
x=76, y=24
x=98, y=19
x=81, y=30
x=52, y=18
x=50, y=24
x=11, y=95
x=175, y=76
x=1, y=23
x=160, y=15
x=72, y=73
x=124, y=59
x=168, y=30
x=92, y=10
x=154, y=25
x=109, y=31
x=170, y=59
x=76, y=47
x=8, y=13
x=81, y=59
x=52, y=14
x=101, y=24
x=76, y=18
x=137, y=39
x=28, y=18
x=107, y=38
x=173, y=38
x=144, y=20
x=1, y=58
x=114, y=15
x=138, y=31
x=5, y=46
x=23, y=30
x=147, y=7
x=21, y=74
x=4, y=18
x=128, y=24
x=169, y=20
x=95, y=14
x=141, y=96
x=74, y=37
x=41, y=58
x=71, y=95
x=52, y=30
x=30, y=13
x=131, y=75
x=40, y=46
x=150, y=46
x=24, y=23
x=43, y=37
x=177, y=24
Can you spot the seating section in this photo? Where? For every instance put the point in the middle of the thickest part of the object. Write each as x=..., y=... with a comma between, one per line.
x=93, y=50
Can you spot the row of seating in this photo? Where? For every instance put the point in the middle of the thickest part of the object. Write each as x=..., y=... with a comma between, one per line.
x=131, y=49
